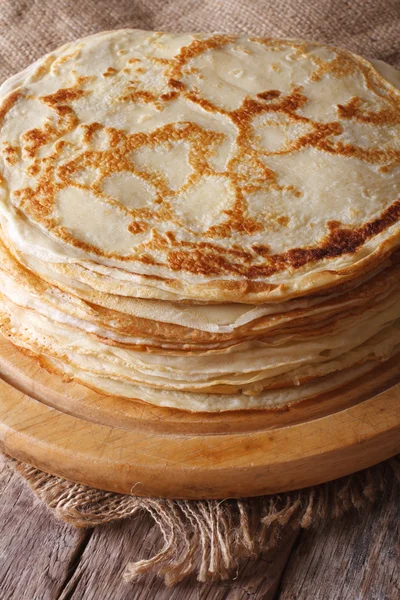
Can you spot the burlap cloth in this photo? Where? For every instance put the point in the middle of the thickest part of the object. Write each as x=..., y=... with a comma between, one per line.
x=207, y=538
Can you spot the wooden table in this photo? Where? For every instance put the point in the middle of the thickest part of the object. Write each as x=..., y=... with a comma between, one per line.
x=354, y=558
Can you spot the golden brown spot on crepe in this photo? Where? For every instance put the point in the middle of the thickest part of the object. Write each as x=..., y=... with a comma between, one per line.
x=294, y=191
x=110, y=72
x=195, y=48
x=60, y=100
x=168, y=96
x=235, y=222
x=90, y=131
x=34, y=138
x=334, y=225
x=42, y=69
x=176, y=84
x=199, y=262
x=147, y=259
x=235, y=251
x=63, y=59
x=370, y=155
x=67, y=121
x=261, y=249
x=37, y=204
x=161, y=61
x=11, y=153
x=269, y=95
x=9, y=102
x=137, y=227
x=283, y=220
x=193, y=71
x=140, y=96
x=389, y=115
x=341, y=66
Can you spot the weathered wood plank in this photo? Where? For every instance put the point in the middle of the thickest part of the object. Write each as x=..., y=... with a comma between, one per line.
x=99, y=573
x=42, y=559
x=36, y=551
x=356, y=557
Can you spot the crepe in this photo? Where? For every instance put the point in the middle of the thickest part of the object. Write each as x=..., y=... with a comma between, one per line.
x=213, y=167
x=206, y=222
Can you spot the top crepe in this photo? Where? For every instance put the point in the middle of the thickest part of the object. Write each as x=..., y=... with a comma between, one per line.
x=203, y=167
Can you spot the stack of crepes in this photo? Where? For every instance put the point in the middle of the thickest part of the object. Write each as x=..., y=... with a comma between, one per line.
x=206, y=222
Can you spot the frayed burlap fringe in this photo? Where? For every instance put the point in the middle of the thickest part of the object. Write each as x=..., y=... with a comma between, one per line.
x=209, y=538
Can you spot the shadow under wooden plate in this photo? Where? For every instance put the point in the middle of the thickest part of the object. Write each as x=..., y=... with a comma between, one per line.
x=129, y=446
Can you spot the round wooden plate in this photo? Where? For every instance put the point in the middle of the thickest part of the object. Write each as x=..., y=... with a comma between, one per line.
x=131, y=447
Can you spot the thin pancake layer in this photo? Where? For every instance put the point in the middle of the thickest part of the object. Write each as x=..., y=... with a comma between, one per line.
x=211, y=402
x=249, y=367
x=155, y=323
